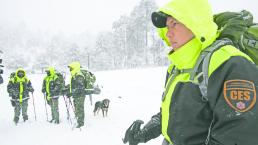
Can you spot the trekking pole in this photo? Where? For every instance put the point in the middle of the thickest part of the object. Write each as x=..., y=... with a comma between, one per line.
x=34, y=107
x=66, y=105
x=72, y=108
x=73, y=111
x=67, y=110
x=45, y=100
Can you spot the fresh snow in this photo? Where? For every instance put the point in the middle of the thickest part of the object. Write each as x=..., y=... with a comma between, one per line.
x=134, y=94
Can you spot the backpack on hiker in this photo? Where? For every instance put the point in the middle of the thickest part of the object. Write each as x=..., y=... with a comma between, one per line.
x=90, y=79
x=61, y=79
x=241, y=30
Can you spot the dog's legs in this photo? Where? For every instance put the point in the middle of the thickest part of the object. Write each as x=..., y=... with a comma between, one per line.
x=103, y=112
x=98, y=111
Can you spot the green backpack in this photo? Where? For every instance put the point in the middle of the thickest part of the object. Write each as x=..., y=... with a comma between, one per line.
x=241, y=30
x=90, y=78
x=61, y=79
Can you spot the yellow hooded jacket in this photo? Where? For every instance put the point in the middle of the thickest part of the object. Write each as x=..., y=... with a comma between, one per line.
x=22, y=83
x=48, y=79
x=197, y=16
x=76, y=71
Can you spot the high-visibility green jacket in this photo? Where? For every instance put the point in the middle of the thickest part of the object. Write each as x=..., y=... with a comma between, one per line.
x=51, y=84
x=19, y=88
x=230, y=114
x=77, y=83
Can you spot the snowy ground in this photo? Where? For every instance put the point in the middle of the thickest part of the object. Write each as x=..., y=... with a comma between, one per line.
x=134, y=94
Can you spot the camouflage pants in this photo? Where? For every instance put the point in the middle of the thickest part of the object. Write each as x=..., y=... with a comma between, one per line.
x=20, y=107
x=53, y=103
x=79, y=109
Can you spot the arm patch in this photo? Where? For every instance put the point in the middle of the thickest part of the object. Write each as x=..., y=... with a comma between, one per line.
x=240, y=94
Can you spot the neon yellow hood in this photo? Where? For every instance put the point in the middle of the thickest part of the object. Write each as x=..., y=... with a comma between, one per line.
x=76, y=66
x=48, y=79
x=196, y=15
x=52, y=71
x=16, y=75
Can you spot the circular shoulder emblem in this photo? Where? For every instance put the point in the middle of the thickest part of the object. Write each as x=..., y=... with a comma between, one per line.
x=240, y=94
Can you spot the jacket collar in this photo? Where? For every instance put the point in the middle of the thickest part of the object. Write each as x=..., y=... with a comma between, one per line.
x=186, y=56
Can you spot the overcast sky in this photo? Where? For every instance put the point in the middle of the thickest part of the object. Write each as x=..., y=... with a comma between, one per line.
x=92, y=15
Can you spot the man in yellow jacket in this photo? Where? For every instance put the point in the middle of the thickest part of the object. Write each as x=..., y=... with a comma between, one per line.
x=18, y=88
x=223, y=113
x=77, y=91
x=51, y=89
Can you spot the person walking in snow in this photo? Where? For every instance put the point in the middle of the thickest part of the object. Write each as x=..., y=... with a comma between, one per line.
x=77, y=91
x=18, y=88
x=225, y=111
x=51, y=88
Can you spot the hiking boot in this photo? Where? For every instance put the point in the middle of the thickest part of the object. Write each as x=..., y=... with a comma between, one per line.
x=25, y=118
x=16, y=120
x=79, y=125
x=52, y=120
x=57, y=121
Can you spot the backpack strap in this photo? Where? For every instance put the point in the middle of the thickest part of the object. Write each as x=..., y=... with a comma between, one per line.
x=204, y=59
x=175, y=71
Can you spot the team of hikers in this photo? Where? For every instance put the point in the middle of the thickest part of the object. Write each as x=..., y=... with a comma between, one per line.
x=53, y=87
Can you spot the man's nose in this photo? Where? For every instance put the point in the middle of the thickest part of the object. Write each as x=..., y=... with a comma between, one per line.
x=169, y=34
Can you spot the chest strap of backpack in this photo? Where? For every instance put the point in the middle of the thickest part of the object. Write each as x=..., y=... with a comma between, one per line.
x=204, y=59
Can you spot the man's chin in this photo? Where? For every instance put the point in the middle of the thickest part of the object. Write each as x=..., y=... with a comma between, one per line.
x=175, y=46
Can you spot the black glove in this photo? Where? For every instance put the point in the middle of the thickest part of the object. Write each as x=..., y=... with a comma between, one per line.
x=13, y=103
x=66, y=91
x=31, y=90
x=130, y=135
x=151, y=130
x=68, y=94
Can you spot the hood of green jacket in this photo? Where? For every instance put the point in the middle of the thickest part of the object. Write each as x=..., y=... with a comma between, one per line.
x=16, y=75
x=52, y=71
x=196, y=15
x=75, y=66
